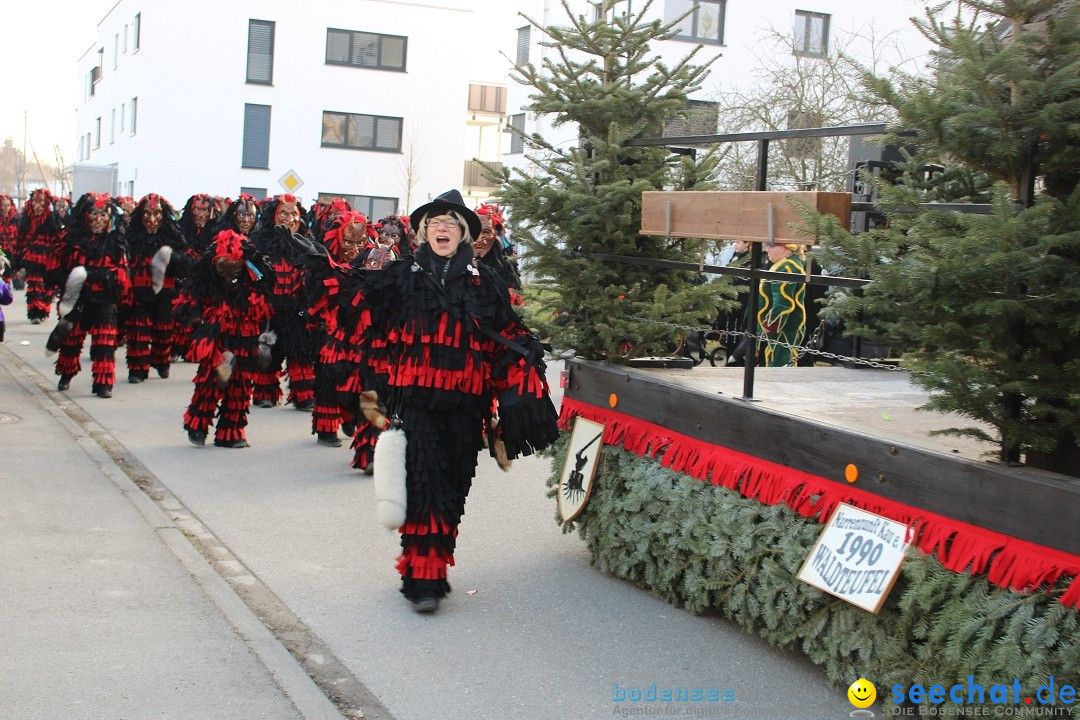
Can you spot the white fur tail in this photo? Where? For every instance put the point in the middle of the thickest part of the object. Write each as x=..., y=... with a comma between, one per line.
x=72, y=287
x=390, y=492
x=158, y=265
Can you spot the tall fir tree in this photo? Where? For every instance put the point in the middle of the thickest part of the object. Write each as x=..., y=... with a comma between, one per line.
x=586, y=200
x=988, y=306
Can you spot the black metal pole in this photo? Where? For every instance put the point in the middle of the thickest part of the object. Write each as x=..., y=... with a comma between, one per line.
x=750, y=358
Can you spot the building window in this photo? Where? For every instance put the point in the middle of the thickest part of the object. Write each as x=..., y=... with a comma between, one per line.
x=257, y=193
x=97, y=133
x=87, y=146
x=256, y=152
x=112, y=128
x=373, y=206
x=123, y=111
x=364, y=49
x=705, y=23
x=523, y=45
x=115, y=50
x=136, y=31
x=487, y=98
x=516, y=128
x=811, y=34
x=361, y=132
x=134, y=115
x=260, y=54
x=125, y=36
x=701, y=118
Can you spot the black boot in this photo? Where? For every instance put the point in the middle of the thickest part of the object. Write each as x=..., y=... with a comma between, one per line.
x=65, y=382
x=329, y=439
x=197, y=437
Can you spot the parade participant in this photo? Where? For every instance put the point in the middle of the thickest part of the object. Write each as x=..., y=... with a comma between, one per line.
x=126, y=205
x=9, y=227
x=94, y=247
x=782, y=317
x=241, y=216
x=6, y=296
x=39, y=235
x=323, y=213
x=197, y=221
x=337, y=372
x=158, y=259
x=393, y=231
x=440, y=341
x=293, y=346
x=489, y=248
x=62, y=208
x=226, y=293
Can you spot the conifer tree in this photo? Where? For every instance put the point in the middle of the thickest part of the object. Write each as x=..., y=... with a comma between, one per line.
x=586, y=199
x=988, y=305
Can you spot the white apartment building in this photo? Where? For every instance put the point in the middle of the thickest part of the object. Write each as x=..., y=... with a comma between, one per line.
x=386, y=103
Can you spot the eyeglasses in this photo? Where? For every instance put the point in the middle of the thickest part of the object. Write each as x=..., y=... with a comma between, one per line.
x=448, y=223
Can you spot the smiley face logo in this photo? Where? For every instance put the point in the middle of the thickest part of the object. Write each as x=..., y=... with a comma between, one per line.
x=862, y=693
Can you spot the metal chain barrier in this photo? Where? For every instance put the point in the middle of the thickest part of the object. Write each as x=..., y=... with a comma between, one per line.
x=799, y=349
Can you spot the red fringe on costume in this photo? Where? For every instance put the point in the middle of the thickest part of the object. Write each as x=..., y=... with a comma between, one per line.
x=1007, y=561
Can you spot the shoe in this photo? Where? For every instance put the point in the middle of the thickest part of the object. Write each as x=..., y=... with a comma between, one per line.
x=65, y=382
x=305, y=405
x=370, y=469
x=162, y=371
x=349, y=429
x=426, y=605
x=329, y=439
x=197, y=437
x=135, y=379
x=36, y=321
x=264, y=403
x=103, y=392
x=232, y=443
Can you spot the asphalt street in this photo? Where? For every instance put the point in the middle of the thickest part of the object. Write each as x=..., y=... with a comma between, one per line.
x=282, y=536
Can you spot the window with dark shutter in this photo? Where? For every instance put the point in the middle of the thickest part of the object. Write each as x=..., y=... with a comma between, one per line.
x=260, y=55
x=516, y=128
x=256, y=152
x=361, y=132
x=523, y=45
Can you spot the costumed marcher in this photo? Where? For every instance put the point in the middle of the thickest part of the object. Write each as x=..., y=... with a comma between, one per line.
x=782, y=317
x=241, y=216
x=39, y=237
x=439, y=340
x=126, y=205
x=732, y=324
x=226, y=290
x=62, y=208
x=489, y=248
x=158, y=260
x=197, y=221
x=93, y=262
x=337, y=370
x=289, y=323
x=9, y=227
x=323, y=213
x=393, y=230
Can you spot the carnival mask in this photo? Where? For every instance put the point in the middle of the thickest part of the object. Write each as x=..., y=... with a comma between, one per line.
x=482, y=244
x=228, y=269
x=97, y=220
x=200, y=213
x=353, y=239
x=287, y=214
x=151, y=218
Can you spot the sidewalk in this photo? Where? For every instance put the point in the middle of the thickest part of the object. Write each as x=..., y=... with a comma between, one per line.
x=106, y=609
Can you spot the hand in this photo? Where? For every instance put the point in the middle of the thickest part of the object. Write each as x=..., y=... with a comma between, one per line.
x=299, y=243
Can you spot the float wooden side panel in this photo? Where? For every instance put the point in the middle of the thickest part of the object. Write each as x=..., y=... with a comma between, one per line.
x=736, y=215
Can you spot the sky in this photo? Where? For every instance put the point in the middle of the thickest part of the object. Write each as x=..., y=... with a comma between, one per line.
x=41, y=48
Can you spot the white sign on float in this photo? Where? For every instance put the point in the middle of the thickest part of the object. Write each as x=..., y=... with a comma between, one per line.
x=857, y=557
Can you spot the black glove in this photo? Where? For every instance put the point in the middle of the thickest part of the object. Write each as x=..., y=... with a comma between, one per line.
x=300, y=244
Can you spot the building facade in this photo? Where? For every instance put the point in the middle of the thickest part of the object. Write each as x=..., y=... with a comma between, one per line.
x=386, y=103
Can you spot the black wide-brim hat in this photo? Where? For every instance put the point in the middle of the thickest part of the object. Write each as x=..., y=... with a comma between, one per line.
x=449, y=200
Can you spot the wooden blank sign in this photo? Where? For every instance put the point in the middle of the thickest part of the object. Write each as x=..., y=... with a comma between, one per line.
x=736, y=215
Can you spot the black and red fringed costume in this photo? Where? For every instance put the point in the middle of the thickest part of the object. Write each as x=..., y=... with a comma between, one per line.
x=39, y=238
x=294, y=347
x=9, y=228
x=197, y=221
x=226, y=291
x=350, y=239
x=423, y=350
x=150, y=328
x=92, y=242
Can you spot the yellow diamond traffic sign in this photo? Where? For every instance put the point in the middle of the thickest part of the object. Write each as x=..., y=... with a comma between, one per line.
x=290, y=181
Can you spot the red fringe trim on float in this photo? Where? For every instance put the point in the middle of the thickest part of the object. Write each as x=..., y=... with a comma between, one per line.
x=1007, y=561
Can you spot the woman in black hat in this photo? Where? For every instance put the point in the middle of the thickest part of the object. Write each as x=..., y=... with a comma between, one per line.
x=441, y=342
